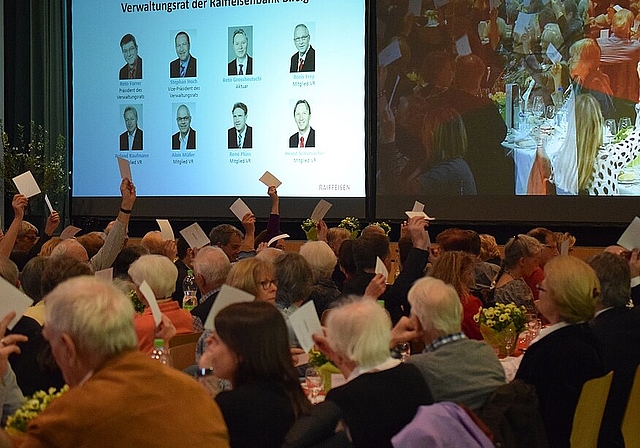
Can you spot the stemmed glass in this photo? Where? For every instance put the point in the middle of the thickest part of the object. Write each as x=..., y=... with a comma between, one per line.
x=538, y=107
x=625, y=122
x=534, y=325
x=509, y=340
x=314, y=383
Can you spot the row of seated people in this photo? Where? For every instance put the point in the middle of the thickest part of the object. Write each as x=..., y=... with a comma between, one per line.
x=92, y=344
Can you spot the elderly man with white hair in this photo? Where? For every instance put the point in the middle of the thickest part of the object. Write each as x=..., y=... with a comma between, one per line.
x=322, y=261
x=210, y=269
x=160, y=274
x=382, y=394
x=456, y=369
x=118, y=396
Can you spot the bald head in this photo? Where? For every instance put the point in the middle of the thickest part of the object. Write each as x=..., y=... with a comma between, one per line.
x=71, y=248
x=210, y=267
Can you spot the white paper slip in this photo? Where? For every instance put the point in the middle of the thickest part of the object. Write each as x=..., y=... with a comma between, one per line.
x=165, y=229
x=553, y=54
x=440, y=3
x=617, y=8
x=276, y=238
x=523, y=20
x=239, y=208
x=421, y=214
x=630, y=238
x=48, y=202
x=270, y=180
x=105, y=274
x=564, y=247
x=195, y=236
x=150, y=297
x=69, y=232
x=389, y=54
x=463, y=48
x=321, y=210
x=125, y=168
x=12, y=300
x=381, y=268
x=26, y=184
x=228, y=295
x=305, y=323
x=417, y=206
x=415, y=7
x=604, y=34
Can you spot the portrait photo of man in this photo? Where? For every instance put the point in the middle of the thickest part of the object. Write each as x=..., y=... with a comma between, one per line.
x=306, y=135
x=243, y=63
x=131, y=139
x=185, y=138
x=185, y=65
x=304, y=60
x=133, y=67
x=241, y=134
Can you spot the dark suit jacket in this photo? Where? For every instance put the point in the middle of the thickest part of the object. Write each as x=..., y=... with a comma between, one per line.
x=137, y=141
x=202, y=310
x=618, y=330
x=174, y=71
x=294, y=140
x=309, y=62
x=233, y=70
x=124, y=71
x=191, y=141
x=232, y=138
x=558, y=365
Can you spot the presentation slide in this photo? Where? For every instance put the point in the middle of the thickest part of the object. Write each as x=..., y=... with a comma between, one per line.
x=203, y=96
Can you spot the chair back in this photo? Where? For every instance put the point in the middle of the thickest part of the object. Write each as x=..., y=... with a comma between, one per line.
x=588, y=414
x=631, y=418
x=182, y=348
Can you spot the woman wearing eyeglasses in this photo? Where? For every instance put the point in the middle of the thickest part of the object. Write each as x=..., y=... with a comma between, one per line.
x=255, y=276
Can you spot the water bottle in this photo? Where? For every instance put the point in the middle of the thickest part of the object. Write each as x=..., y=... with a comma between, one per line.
x=159, y=353
x=189, y=301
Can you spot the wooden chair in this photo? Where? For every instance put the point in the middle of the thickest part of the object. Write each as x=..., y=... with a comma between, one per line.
x=182, y=349
x=630, y=430
x=588, y=415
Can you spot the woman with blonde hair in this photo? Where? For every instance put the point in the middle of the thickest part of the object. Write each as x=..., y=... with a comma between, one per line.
x=520, y=259
x=255, y=276
x=566, y=354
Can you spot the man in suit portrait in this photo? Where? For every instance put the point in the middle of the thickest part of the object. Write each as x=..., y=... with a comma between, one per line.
x=306, y=135
x=243, y=63
x=185, y=65
x=185, y=138
x=133, y=67
x=305, y=59
x=132, y=137
x=241, y=134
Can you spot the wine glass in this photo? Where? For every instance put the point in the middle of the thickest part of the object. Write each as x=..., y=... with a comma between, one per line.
x=401, y=351
x=550, y=112
x=625, y=122
x=538, y=107
x=509, y=339
x=314, y=383
x=534, y=326
x=610, y=128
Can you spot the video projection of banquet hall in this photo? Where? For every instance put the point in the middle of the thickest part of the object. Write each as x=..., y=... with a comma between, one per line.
x=412, y=50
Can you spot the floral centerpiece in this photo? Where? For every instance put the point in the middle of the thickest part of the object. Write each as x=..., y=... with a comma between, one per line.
x=500, y=323
x=325, y=366
x=500, y=100
x=352, y=225
x=384, y=226
x=310, y=227
x=32, y=406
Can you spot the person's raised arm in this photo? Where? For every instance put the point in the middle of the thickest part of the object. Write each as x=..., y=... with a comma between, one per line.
x=273, y=226
x=19, y=203
x=53, y=221
x=116, y=237
x=249, y=225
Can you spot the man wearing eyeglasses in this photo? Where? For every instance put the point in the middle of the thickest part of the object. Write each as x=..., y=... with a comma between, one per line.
x=185, y=138
x=305, y=59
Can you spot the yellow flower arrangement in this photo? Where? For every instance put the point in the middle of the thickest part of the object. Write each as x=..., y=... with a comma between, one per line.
x=32, y=406
x=500, y=316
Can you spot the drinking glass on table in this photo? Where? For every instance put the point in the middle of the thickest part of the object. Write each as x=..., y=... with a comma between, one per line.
x=625, y=122
x=534, y=325
x=538, y=107
x=509, y=339
x=314, y=383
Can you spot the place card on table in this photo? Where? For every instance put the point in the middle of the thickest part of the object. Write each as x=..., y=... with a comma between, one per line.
x=69, y=232
x=228, y=295
x=26, y=184
x=195, y=236
x=305, y=323
x=12, y=300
